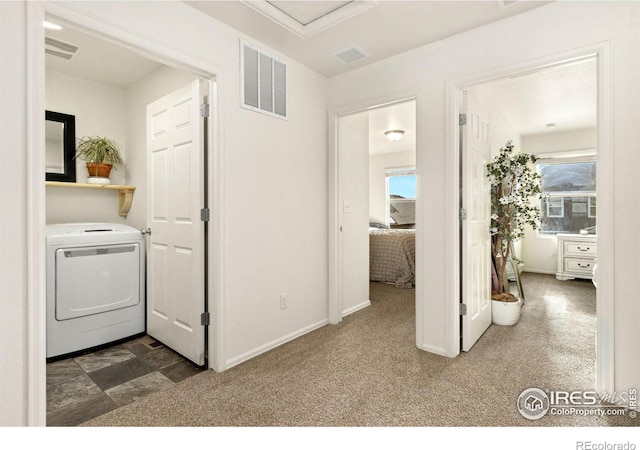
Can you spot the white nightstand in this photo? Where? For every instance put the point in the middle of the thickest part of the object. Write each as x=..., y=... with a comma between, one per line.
x=576, y=256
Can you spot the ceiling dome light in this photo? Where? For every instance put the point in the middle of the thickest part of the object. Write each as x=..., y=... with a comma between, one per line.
x=394, y=135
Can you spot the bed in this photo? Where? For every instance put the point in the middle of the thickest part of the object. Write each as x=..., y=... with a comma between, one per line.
x=392, y=256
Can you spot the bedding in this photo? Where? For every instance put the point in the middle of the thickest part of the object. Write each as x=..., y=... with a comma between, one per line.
x=392, y=256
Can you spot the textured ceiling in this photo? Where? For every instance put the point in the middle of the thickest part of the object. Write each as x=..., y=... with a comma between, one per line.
x=381, y=28
x=564, y=95
x=98, y=60
x=399, y=116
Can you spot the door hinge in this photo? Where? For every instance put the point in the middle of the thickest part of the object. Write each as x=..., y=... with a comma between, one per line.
x=463, y=309
x=462, y=119
x=205, y=214
x=463, y=214
x=204, y=319
x=204, y=110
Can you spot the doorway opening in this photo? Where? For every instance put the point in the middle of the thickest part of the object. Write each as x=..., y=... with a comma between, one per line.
x=377, y=187
x=555, y=111
x=107, y=94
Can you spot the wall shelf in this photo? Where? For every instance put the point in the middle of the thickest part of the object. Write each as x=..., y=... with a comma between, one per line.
x=126, y=192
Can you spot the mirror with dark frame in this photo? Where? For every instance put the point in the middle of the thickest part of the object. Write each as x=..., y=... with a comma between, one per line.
x=60, y=147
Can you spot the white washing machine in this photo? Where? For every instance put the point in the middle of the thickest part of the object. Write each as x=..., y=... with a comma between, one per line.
x=95, y=285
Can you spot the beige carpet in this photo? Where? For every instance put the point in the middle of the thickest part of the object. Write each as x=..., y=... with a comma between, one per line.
x=367, y=372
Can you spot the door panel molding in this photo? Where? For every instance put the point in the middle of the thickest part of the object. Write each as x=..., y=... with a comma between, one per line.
x=175, y=183
x=475, y=238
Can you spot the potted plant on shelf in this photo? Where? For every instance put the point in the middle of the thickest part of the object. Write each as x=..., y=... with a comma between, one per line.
x=513, y=183
x=101, y=155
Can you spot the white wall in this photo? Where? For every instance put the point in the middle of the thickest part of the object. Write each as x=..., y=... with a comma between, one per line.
x=539, y=33
x=275, y=185
x=540, y=251
x=378, y=164
x=14, y=264
x=99, y=110
x=353, y=135
x=564, y=141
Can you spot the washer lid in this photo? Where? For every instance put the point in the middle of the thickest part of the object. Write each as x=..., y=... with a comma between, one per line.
x=90, y=232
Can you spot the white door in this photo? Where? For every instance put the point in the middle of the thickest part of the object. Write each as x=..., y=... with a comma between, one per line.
x=176, y=244
x=475, y=239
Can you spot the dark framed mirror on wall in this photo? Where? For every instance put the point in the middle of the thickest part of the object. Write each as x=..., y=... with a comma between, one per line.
x=60, y=147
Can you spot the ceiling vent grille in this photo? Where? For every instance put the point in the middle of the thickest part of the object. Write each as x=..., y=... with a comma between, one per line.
x=351, y=55
x=264, y=82
x=60, y=49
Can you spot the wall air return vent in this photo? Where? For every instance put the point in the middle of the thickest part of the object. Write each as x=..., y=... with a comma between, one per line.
x=58, y=48
x=351, y=55
x=263, y=82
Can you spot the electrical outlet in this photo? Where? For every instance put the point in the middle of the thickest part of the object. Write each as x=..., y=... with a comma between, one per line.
x=284, y=301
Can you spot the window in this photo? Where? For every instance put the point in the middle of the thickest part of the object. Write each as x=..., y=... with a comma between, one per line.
x=401, y=190
x=571, y=186
x=264, y=82
x=555, y=207
x=592, y=207
x=402, y=186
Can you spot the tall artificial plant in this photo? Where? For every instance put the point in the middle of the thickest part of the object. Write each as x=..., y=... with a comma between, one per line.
x=514, y=183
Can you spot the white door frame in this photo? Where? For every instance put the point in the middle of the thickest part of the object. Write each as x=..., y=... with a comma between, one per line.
x=36, y=307
x=605, y=236
x=335, y=256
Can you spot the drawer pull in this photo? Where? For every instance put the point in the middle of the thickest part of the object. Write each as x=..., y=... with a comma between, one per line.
x=585, y=266
x=583, y=249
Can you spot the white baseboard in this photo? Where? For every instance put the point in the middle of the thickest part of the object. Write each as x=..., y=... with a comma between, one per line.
x=289, y=337
x=436, y=350
x=543, y=271
x=353, y=309
x=273, y=344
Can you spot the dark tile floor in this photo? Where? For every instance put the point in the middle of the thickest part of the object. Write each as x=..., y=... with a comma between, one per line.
x=86, y=386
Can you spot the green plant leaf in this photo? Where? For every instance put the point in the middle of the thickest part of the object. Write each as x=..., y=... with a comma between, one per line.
x=97, y=149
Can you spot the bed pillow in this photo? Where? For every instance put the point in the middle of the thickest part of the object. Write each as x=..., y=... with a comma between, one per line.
x=378, y=225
